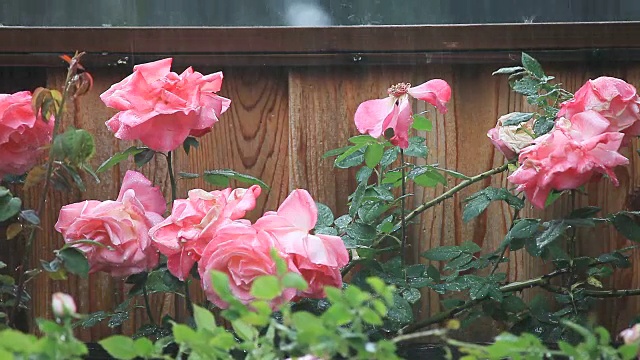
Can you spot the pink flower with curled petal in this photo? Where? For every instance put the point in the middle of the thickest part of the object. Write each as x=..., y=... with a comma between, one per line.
x=193, y=222
x=614, y=99
x=22, y=135
x=568, y=156
x=375, y=117
x=161, y=108
x=122, y=226
x=317, y=257
x=243, y=254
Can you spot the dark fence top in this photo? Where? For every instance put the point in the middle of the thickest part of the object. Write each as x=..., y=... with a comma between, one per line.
x=308, y=12
x=120, y=46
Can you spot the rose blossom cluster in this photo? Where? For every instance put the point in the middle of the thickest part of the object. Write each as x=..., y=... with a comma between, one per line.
x=23, y=136
x=207, y=229
x=586, y=138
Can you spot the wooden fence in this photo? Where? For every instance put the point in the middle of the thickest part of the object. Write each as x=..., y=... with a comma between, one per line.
x=282, y=120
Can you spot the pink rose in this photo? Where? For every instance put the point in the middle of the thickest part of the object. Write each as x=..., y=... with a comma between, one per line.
x=183, y=235
x=22, y=136
x=122, y=226
x=510, y=140
x=375, y=117
x=242, y=253
x=161, y=108
x=317, y=257
x=568, y=156
x=613, y=98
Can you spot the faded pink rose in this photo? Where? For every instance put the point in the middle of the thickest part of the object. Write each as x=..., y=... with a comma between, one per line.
x=568, y=156
x=22, y=135
x=510, y=139
x=631, y=335
x=317, y=257
x=243, y=253
x=122, y=226
x=183, y=235
x=161, y=108
x=375, y=117
x=613, y=98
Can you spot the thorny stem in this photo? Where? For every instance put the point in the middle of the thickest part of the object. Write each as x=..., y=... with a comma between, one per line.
x=45, y=190
x=446, y=195
x=147, y=305
x=515, y=216
x=512, y=287
x=174, y=196
x=172, y=177
x=417, y=335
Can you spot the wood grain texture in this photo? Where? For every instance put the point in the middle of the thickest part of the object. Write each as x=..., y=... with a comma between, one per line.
x=283, y=119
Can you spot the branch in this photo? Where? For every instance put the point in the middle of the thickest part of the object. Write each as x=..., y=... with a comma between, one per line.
x=449, y=193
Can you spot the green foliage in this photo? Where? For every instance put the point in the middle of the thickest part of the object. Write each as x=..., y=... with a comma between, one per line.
x=593, y=344
x=117, y=158
x=222, y=178
x=9, y=205
x=478, y=202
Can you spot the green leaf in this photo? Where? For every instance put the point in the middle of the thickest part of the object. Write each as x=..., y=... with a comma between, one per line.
x=119, y=346
x=325, y=215
x=363, y=174
x=362, y=233
x=626, y=225
x=204, y=318
x=335, y=152
x=532, y=65
x=143, y=157
x=543, y=125
x=186, y=175
x=30, y=216
x=74, y=261
x=442, y=253
x=554, y=229
x=478, y=202
x=373, y=154
x=356, y=199
x=515, y=118
x=412, y=295
x=9, y=205
x=338, y=314
x=343, y=221
x=417, y=147
x=220, y=282
x=292, y=280
x=266, y=287
x=190, y=142
x=508, y=70
x=214, y=176
x=421, y=123
x=456, y=174
x=430, y=178
x=144, y=347
x=244, y=330
x=389, y=156
x=75, y=145
x=362, y=139
x=584, y=212
x=119, y=157
x=369, y=316
x=526, y=86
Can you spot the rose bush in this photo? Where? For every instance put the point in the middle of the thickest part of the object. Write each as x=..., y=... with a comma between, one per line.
x=301, y=281
x=23, y=135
